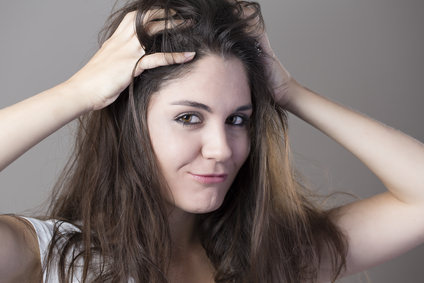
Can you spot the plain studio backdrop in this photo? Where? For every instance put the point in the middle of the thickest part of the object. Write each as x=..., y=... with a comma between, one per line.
x=367, y=55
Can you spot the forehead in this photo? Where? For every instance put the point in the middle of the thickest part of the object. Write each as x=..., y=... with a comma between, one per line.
x=214, y=81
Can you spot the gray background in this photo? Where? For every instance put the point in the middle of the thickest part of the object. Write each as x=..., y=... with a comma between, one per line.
x=365, y=54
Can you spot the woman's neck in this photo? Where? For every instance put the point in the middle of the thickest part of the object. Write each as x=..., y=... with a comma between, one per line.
x=189, y=262
x=184, y=233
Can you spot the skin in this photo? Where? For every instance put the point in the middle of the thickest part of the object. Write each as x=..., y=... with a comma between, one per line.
x=192, y=141
x=19, y=253
x=108, y=73
x=201, y=150
x=372, y=225
x=94, y=87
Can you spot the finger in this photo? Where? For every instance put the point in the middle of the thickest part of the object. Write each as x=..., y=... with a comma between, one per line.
x=251, y=13
x=127, y=22
x=157, y=14
x=162, y=59
x=154, y=27
x=151, y=16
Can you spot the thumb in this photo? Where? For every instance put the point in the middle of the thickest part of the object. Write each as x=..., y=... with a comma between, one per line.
x=161, y=59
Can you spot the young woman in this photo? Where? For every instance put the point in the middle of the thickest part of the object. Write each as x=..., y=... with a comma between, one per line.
x=181, y=169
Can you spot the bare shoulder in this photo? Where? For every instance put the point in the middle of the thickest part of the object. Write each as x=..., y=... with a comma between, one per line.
x=19, y=252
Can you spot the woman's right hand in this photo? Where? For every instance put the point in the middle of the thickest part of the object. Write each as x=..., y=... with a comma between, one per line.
x=95, y=86
x=112, y=68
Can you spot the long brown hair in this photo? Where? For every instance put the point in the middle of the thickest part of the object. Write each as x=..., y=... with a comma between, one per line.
x=267, y=229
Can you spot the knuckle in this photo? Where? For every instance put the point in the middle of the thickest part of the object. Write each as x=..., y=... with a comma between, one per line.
x=146, y=63
x=167, y=58
x=172, y=58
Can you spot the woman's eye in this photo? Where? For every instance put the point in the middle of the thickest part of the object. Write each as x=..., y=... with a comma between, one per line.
x=237, y=120
x=188, y=119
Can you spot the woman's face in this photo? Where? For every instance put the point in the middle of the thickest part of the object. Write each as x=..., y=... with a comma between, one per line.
x=198, y=127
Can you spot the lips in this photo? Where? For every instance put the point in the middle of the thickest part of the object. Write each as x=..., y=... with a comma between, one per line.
x=209, y=178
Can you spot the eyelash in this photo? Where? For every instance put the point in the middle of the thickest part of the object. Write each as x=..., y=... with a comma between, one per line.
x=244, y=122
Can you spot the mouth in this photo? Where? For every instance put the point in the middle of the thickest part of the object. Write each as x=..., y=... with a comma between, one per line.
x=209, y=178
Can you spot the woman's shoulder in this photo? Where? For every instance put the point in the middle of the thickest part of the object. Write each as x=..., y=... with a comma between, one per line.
x=19, y=252
x=25, y=244
x=44, y=230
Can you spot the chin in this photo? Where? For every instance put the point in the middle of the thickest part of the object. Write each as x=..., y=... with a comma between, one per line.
x=201, y=207
x=204, y=210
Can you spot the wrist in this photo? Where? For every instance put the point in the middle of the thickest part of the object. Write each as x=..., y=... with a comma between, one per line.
x=285, y=93
x=294, y=94
x=75, y=97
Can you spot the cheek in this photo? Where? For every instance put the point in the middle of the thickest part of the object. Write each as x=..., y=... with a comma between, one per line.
x=160, y=140
x=241, y=150
x=172, y=147
x=246, y=152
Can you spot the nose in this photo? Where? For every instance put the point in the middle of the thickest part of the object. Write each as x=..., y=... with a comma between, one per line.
x=216, y=145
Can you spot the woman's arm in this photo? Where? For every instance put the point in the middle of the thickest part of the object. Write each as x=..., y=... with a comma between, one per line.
x=19, y=252
x=26, y=123
x=94, y=87
x=396, y=158
x=385, y=225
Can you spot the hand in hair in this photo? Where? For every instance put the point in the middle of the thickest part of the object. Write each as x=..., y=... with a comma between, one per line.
x=113, y=67
x=281, y=80
x=95, y=86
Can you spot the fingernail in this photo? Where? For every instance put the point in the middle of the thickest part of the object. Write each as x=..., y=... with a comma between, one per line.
x=189, y=54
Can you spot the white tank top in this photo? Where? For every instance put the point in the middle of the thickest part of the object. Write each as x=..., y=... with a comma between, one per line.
x=44, y=230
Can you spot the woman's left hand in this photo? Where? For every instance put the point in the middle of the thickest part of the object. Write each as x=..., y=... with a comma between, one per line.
x=281, y=81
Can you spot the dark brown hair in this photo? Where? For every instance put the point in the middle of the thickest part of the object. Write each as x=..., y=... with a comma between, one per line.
x=267, y=229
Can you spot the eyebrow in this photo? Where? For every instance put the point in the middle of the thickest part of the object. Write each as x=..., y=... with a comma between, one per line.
x=205, y=107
